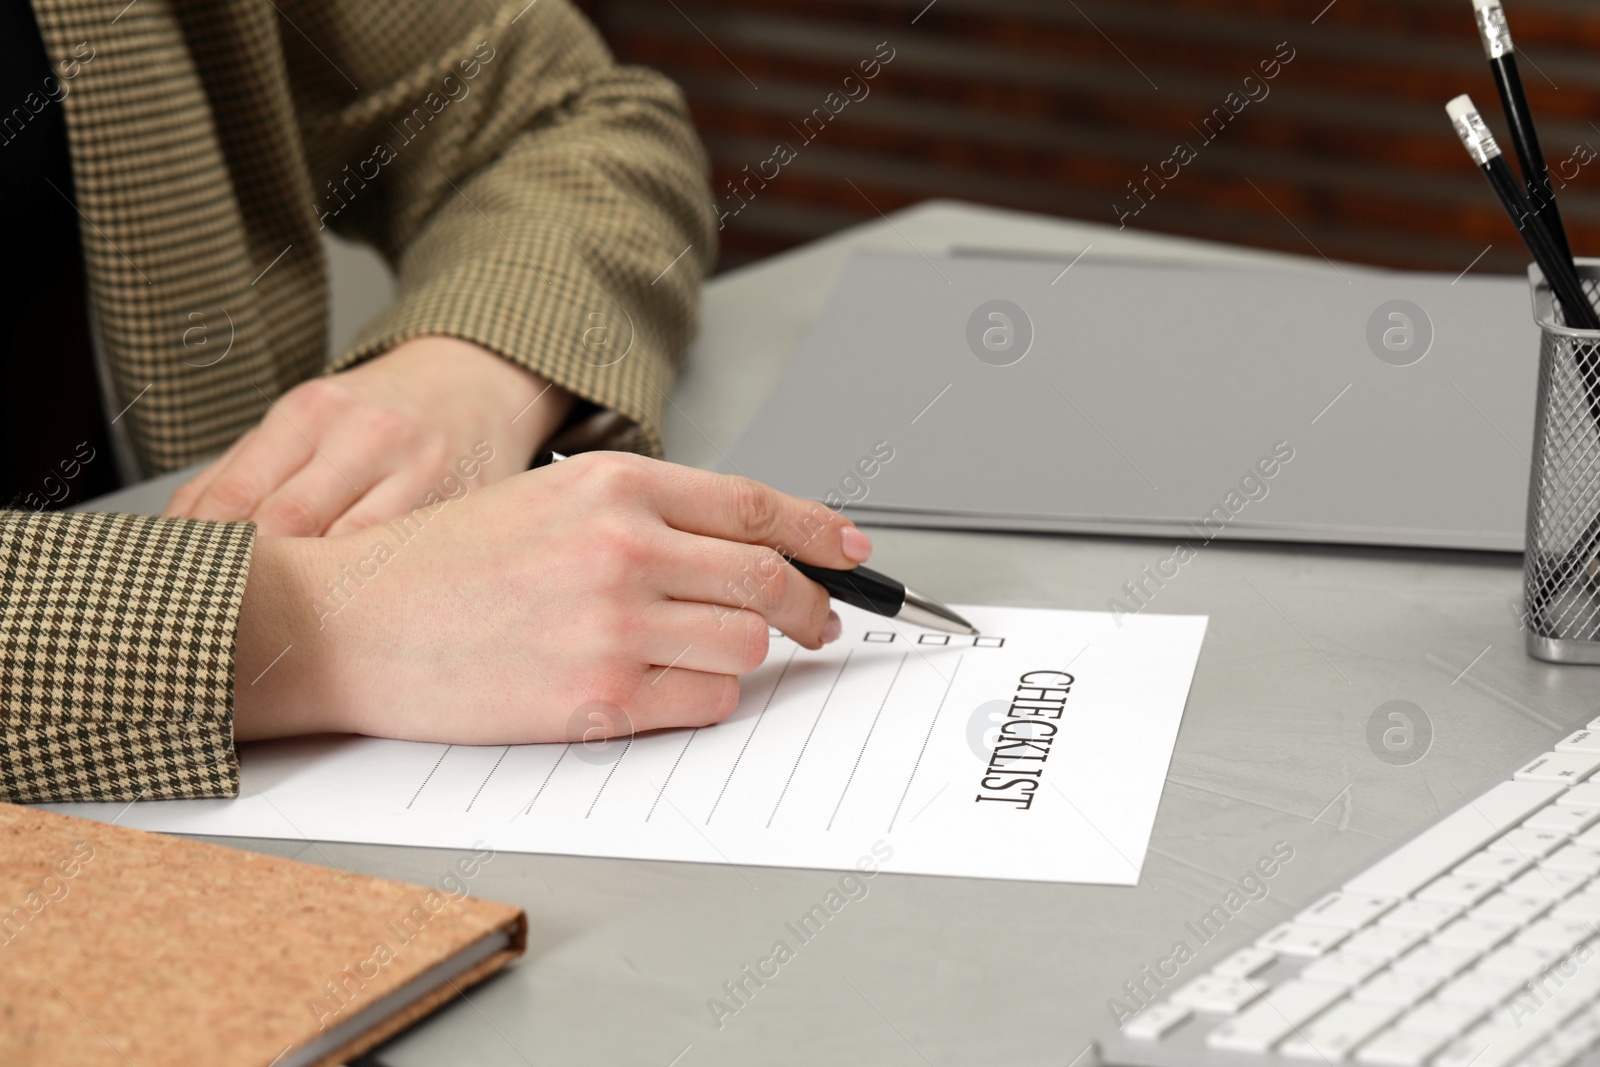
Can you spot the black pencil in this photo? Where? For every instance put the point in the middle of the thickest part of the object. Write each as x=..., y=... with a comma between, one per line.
x=1562, y=276
x=1503, y=62
x=1558, y=268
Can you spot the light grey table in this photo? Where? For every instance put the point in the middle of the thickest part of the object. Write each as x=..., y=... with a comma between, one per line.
x=1305, y=645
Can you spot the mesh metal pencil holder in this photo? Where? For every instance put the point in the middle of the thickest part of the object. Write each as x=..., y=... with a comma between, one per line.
x=1561, y=569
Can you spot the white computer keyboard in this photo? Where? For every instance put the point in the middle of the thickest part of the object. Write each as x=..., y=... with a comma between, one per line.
x=1475, y=944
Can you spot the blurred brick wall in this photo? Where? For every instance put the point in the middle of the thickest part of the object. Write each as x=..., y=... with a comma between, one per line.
x=1113, y=110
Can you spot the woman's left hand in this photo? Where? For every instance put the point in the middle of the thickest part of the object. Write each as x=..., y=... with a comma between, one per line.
x=354, y=449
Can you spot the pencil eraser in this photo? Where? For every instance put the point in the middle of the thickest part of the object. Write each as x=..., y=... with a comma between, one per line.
x=1492, y=28
x=1473, y=131
x=1460, y=108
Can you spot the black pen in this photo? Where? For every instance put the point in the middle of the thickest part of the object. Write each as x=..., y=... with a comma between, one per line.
x=1503, y=61
x=864, y=588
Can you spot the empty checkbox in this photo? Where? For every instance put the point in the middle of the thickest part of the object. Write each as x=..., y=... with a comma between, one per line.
x=988, y=642
x=933, y=639
x=881, y=636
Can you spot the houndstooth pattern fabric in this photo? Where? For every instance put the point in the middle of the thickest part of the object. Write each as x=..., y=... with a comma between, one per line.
x=116, y=655
x=533, y=197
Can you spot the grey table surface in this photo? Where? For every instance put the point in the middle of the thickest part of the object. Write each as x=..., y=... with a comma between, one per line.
x=1306, y=644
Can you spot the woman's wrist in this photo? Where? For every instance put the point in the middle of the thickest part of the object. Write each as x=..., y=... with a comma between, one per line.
x=465, y=382
x=284, y=667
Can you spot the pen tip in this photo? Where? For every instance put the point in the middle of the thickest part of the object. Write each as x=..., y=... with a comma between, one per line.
x=956, y=624
x=930, y=614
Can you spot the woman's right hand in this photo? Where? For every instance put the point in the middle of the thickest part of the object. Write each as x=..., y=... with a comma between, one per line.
x=603, y=595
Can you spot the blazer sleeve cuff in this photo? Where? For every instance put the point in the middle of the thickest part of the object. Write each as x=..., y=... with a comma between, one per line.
x=117, y=645
x=557, y=320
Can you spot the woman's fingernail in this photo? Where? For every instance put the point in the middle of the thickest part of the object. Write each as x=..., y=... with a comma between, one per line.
x=857, y=546
x=832, y=628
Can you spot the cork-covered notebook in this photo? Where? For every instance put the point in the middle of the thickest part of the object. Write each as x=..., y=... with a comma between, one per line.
x=119, y=946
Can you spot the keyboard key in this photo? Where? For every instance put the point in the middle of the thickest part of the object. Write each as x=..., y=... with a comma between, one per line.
x=1583, y=795
x=1489, y=1049
x=1549, y=1054
x=1385, y=942
x=1582, y=741
x=1578, y=909
x=1265, y=1022
x=1555, y=933
x=1453, y=889
x=1492, y=867
x=1452, y=839
x=1546, y=885
x=1562, y=819
x=1518, y=961
x=1564, y=768
x=1471, y=933
x=1529, y=844
x=1575, y=858
x=1440, y=1017
x=1438, y=961
x=1301, y=939
x=1583, y=908
x=1424, y=915
x=1347, y=911
x=1339, y=1030
x=1244, y=963
x=1501, y=1040
x=1153, y=1022
x=1479, y=989
x=1590, y=838
x=1338, y=969
x=1577, y=1033
x=1509, y=909
x=1400, y=989
x=1220, y=995
x=1400, y=1048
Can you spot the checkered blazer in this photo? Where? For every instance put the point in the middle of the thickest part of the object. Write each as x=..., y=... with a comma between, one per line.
x=533, y=197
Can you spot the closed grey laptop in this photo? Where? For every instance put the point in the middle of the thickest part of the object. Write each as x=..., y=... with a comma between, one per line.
x=1339, y=405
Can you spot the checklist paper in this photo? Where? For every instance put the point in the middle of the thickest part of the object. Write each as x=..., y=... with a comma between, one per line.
x=1036, y=751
